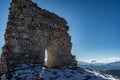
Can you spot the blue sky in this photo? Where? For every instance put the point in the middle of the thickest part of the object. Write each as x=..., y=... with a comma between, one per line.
x=94, y=25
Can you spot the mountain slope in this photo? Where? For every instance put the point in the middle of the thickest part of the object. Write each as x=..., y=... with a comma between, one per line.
x=100, y=66
x=37, y=72
x=113, y=72
x=112, y=68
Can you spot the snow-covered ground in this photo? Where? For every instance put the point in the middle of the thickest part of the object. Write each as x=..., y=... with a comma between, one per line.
x=37, y=72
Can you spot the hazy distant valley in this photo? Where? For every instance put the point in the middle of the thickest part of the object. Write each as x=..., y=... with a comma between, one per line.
x=112, y=68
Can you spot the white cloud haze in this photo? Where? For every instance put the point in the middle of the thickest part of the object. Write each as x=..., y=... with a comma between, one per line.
x=104, y=60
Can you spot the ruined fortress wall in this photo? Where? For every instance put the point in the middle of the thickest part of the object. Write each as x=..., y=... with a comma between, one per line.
x=32, y=30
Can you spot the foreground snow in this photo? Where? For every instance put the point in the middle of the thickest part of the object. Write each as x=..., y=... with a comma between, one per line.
x=37, y=72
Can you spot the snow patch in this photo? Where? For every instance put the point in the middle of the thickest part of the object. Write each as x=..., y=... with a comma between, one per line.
x=37, y=72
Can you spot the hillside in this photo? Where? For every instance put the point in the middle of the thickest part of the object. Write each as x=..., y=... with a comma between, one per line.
x=101, y=66
x=37, y=72
x=112, y=68
x=113, y=72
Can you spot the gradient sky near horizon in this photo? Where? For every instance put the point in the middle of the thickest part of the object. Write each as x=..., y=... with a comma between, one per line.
x=94, y=25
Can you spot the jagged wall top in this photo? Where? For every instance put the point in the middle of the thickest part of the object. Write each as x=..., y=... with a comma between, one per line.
x=49, y=16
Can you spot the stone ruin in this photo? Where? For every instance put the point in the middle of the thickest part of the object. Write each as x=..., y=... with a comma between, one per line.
x=32, y=30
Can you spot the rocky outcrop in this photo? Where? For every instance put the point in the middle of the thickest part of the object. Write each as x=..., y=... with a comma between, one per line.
x=32, y=30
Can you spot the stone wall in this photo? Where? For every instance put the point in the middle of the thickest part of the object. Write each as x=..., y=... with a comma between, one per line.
x=30, y=30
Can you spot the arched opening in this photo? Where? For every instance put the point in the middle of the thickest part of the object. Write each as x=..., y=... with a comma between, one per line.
x=51, y=56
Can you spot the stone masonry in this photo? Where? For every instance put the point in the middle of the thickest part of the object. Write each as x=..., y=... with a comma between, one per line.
x=32, y=30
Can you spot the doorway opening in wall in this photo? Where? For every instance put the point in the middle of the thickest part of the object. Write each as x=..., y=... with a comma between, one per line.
x=46, y=56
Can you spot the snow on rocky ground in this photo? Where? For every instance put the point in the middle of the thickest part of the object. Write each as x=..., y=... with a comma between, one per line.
x=37, y=72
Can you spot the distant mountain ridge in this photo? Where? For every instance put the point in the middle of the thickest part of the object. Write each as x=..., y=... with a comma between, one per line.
x=112, y=68
x=100, y=66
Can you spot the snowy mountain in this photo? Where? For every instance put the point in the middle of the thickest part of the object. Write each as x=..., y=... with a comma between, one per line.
x=37, y=72
x=113, y=72
x=112, y=68
x=100, y=66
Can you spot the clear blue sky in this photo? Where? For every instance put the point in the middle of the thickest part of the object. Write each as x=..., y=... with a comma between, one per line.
x=94, y=25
